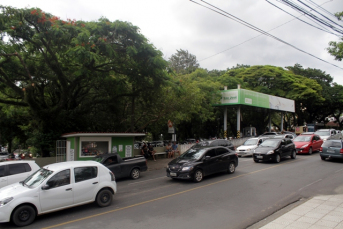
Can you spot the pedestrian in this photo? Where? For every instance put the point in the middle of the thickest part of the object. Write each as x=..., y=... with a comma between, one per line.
x=151, y=151
x=175, y=149
x=144, y=152
x=169, y=150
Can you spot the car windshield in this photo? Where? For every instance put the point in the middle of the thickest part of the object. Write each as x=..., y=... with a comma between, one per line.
x=37, y=178
x=250, y=142
x=193, y=153
x=302, y=139
x=270, y=143
x=323, y=133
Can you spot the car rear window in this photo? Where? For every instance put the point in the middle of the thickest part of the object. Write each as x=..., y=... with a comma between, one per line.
x=85, y=173
x=16, y=168
x=333, y=144
x=2, y=171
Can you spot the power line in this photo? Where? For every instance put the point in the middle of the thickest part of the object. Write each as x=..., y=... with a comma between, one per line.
x=232, y=17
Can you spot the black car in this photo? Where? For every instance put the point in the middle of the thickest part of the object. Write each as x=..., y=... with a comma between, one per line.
x=274, y=149
x=216, y=142
x=201, y=161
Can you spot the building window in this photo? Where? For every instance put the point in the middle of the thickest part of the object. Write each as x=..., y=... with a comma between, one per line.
x=92, y=146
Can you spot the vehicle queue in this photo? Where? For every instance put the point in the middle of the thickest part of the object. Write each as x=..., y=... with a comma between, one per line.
x=67, y=184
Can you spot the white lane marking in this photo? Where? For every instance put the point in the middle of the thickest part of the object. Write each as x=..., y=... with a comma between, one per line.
x=338, y=170
x=310, y=184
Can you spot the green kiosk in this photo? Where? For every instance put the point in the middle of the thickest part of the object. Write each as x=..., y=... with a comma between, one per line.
x=86, y=145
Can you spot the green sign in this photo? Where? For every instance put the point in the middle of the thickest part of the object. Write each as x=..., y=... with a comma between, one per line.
x=256, y=99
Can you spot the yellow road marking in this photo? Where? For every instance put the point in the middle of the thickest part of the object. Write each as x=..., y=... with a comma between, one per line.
x=164, y=197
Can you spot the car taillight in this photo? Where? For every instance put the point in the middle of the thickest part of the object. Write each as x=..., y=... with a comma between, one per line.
x=341, y=151
x=113, y=178
x=321, y=149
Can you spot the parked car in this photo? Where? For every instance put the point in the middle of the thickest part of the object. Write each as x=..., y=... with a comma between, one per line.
x=123, y=167
x=4, y=156
x=157, y=143
x=267, y=134
x=216, y=142
x=55, y=187
x=201, y=161
x=331, y=149
x=290, y=132
x=274, y=149
x=327, y=134
x=307, y=143
x=288, y=136
x=15, y=171
x=247, y=148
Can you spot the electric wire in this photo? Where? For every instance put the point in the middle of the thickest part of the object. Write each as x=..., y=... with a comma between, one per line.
x=322, y=29
x=232, y=17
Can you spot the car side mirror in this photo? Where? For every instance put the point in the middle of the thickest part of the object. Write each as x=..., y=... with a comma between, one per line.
x=45, y=187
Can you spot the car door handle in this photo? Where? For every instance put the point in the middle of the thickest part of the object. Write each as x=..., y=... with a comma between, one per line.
x=95, y=182
x=68, y=189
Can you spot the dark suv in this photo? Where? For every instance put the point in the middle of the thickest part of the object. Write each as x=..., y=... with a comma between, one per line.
x=274, y=149
x=216, y=142
x=201, y=161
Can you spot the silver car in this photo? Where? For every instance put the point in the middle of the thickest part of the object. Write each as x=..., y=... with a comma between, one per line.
x=4, y=156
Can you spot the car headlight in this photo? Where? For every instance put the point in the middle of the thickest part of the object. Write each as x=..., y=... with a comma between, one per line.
x=5, y=201
x=304, y=146
x=270, y=152
x=248, y=149
x=187, y=168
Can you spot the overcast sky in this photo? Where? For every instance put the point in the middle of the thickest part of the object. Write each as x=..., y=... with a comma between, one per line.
x=216, y=41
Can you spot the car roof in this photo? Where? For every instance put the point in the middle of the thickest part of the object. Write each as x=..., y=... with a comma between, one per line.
x=17, y=162
x=70, y=164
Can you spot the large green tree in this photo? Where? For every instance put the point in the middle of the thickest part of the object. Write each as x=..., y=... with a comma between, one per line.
x=66, y=71
x=183, y=62
x=336, y=47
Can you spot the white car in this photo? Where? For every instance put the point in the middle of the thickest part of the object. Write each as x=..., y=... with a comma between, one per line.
x=248, y=146
x=56, y=187
x=327, y=134
x=15, y=171
x=3, y=156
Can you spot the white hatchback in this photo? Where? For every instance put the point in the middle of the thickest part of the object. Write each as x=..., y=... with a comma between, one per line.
x=56, y=187
x=249, y=145
x=15, y=171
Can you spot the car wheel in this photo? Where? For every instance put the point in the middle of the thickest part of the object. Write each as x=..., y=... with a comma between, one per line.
x=23, y=215
x=310, y=151
x=277, y=158
x=135, y=173
x=255, y=160
x=232, y=168
x=198, y=176
x=294, y=154
x=104, y=198
x=323, y=158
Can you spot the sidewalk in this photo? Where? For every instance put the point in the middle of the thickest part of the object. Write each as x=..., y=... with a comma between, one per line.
x=160, y=163
x=319, y=212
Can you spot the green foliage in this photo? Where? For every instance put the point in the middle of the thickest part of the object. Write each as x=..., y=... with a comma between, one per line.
x=67, y=72
x=183, y=62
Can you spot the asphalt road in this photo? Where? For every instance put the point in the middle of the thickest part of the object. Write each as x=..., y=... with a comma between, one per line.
x=253, y=192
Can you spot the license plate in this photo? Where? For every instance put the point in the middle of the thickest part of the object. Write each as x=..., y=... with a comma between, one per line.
x=259, y=156
x=330, y=151
x=173, y=174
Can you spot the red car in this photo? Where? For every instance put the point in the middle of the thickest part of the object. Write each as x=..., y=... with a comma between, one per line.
x=307, y=143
